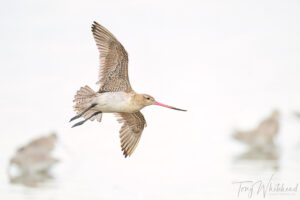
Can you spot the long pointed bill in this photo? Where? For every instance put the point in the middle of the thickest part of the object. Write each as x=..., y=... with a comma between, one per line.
x=163, y=105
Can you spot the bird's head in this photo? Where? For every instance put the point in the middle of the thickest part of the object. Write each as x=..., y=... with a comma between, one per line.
x=147, y=100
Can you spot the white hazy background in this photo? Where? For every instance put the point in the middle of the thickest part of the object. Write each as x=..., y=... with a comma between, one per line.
x=229, y=63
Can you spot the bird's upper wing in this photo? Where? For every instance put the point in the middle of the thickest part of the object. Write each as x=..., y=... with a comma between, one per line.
x=131, y=130
x=113, y=74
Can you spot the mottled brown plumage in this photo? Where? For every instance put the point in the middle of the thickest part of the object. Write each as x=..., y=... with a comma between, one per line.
x=115, y=94
x=113, y=75
x=131, y=130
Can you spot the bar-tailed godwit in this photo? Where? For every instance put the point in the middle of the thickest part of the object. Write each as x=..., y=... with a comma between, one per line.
x=263, y=135
x=115, y=94
x=35, y=156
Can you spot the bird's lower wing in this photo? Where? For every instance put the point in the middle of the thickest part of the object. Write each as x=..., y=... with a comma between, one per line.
x=131, y=130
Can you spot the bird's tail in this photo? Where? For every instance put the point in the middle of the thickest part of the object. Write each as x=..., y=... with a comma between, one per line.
x=84, y=99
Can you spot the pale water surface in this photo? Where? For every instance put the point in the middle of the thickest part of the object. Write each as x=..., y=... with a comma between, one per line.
x=229, y=64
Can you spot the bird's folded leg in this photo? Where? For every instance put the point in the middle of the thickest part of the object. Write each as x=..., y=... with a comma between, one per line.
x=79, y=115
x=83, y=121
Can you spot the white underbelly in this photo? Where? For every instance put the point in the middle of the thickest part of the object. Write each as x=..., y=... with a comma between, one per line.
x=113, y=102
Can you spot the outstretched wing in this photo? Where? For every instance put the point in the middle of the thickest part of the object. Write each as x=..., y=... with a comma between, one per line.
x=113, y=76
x=131, y=130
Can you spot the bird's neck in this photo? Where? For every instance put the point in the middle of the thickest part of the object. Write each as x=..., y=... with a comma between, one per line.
x=137, y=100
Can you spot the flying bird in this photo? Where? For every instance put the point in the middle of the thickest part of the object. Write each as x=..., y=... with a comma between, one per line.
x=115, y=94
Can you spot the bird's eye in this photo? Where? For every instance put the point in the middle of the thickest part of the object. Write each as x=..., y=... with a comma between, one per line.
x=148, y=98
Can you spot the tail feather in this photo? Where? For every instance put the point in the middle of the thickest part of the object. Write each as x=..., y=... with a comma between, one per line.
x=83, y=99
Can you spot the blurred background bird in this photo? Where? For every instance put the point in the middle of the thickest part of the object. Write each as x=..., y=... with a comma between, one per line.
x=35, y=157
x=263, y=135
